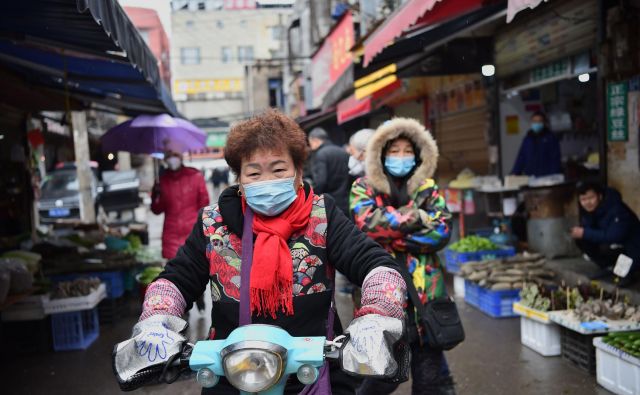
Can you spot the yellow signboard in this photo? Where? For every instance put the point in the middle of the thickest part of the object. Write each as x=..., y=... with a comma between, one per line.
x=208, y=85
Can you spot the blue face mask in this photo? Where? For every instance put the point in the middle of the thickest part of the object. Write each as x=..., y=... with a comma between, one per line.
x=399, y=166
x=270, y=197
x=537, y=127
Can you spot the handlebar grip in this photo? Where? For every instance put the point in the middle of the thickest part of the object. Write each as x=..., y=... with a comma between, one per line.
x=140, y=379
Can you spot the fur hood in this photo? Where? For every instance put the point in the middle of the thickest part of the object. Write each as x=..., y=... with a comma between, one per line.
x=421, y=138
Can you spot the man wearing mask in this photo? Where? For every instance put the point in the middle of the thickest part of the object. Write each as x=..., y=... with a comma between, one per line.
x=181, y=193
x=539, y=153
x=608, y=228
x=330, y=169
x=357, y=148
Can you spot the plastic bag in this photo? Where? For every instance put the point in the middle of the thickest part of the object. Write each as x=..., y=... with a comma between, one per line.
x=21, y=279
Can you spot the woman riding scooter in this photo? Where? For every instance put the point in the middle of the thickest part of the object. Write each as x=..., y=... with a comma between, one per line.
x=299, y=240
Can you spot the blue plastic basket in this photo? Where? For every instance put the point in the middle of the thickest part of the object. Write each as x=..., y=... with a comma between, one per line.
x=499, y=304
x=496, y=304
x=454, y=260
x=472, y=293
x=114, y=281
x=74, y=331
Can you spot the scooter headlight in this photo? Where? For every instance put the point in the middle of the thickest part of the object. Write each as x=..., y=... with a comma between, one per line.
x=253, y=366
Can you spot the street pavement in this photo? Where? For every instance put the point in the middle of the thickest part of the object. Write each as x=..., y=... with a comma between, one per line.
x=490, y=361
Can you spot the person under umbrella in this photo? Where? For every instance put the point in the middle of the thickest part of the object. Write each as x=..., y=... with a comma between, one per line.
x=180, y=194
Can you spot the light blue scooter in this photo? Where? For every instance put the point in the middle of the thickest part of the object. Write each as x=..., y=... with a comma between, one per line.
x=258, y=359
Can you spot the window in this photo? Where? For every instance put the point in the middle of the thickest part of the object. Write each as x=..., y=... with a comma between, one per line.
x=190, y=55
x=276, y=95
x=226, y=55
x=277, y=32
x=245, y=53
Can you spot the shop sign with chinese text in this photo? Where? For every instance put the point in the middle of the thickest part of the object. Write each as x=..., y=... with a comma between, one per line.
x=332, y=59
x=617, y=112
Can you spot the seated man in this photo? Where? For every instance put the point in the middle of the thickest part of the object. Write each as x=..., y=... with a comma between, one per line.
x=607, y=229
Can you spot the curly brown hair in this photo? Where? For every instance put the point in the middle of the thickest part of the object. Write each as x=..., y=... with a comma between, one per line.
x=271, y=130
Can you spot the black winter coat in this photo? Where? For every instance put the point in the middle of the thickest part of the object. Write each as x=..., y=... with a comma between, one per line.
x=613, y=222
x=348, y=250
x=330, y=174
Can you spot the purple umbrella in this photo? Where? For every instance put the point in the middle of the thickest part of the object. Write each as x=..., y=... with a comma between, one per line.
x=148, y=134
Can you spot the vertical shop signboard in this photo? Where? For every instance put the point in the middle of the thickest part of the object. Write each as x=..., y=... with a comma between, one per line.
x=617, y=112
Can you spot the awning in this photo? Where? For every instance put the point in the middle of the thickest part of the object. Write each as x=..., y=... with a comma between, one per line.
x=424, y=40
x=414, y=13
x=351, y=108
x=93, y=42
x=311, y=120
x=396, y=23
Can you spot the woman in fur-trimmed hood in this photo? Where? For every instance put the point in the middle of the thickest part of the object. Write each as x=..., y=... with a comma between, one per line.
x=398, y=204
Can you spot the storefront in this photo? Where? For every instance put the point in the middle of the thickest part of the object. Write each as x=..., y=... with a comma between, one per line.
x=546, y=61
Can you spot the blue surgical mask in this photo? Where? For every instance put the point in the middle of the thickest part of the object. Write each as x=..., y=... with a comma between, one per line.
x=537, y=127
x=399, y=166
x=270, y=197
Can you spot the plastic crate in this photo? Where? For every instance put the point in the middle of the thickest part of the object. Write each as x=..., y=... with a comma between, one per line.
x=454, y=260
x=578, y=349
x=114, y=281
x=496, y=304
x=616, y=370
x=74, y=331
x=78, y=303
x=543, y=338
x=472, y=293
x=499, y=304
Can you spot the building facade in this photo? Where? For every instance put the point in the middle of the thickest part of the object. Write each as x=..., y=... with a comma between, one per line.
x=227, y=57
x=151, y=29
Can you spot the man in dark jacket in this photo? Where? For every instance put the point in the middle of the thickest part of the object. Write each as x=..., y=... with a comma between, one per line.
x=608, y=228
x=330, y=169
x=539, y=153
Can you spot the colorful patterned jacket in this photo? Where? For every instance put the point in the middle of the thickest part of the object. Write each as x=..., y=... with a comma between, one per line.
x=418, y=229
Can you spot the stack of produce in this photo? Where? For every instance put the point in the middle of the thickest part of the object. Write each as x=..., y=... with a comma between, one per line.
x=473, y=244
x=628, y=342
x=603, y=310
x=75, y=288
x=511, y=273
x=549, y=298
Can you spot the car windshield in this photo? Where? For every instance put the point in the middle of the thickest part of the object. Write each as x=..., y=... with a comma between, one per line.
x=60, y=181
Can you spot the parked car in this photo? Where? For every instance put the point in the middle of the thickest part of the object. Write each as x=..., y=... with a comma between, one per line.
x=60, y=199
x=120, y=191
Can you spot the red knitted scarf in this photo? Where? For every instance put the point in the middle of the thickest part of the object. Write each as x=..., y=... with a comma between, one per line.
x=272, y=268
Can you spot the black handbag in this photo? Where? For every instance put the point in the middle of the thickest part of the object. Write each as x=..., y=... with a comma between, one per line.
x=439, y=317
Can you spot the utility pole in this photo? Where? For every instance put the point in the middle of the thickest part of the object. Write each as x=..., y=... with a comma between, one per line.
x=85, y=178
